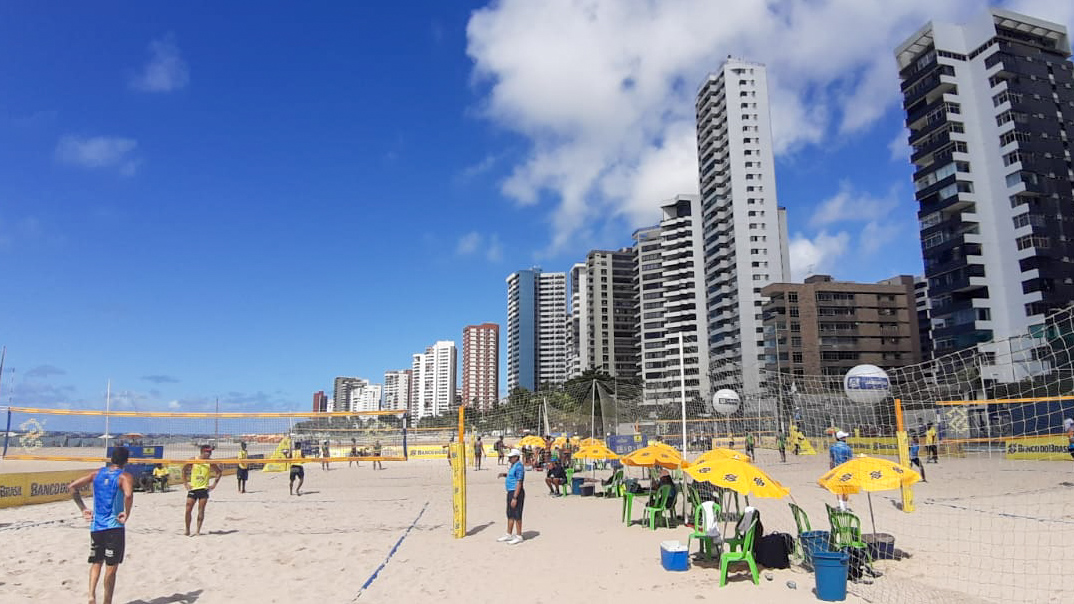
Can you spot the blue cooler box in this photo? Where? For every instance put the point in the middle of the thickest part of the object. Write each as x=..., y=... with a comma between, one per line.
x=673, y=555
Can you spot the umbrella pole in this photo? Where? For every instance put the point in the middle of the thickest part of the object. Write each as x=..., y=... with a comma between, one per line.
x=871, y=517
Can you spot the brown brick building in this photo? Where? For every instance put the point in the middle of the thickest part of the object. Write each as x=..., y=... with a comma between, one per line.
x=825, y=327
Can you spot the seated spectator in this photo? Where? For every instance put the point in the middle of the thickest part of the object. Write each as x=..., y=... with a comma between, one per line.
x=556, y=478
x=665, y=479
x=160, y=478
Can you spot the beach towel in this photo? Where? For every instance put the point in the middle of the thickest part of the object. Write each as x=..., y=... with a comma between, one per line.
x=710, y=521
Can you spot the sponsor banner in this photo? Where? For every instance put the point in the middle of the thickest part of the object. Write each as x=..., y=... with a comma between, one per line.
x=1050, y=448
x=874, y=445
x=28, y=488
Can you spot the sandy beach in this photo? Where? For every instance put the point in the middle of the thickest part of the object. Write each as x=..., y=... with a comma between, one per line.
x=984, y=531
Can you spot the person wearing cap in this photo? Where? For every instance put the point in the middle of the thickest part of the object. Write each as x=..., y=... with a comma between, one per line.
x=516, y=497
x=243, y=471
x=196, y=479
x=838, y=454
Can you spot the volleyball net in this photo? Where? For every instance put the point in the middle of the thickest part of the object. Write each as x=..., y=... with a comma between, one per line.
x=175, y=438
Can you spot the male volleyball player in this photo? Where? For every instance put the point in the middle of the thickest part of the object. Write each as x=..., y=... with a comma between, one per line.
x=297, y=471
x=243, y=472
x=113, y=498
x=196, y=478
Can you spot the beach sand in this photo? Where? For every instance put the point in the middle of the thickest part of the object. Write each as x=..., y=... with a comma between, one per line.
x=984, y=531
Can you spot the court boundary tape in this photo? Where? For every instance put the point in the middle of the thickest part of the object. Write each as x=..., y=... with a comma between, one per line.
x=391, y=553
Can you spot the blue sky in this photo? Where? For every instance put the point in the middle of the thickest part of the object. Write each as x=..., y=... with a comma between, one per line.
x=204, y=201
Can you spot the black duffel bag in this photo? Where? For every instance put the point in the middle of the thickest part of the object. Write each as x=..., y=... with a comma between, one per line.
x=774, y=551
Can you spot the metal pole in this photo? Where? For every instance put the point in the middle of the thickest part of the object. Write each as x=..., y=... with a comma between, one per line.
x=406, y=420
x=593, y=412
x=107, y=409
x=779, y=386
x=682, y=393
x=7, y=432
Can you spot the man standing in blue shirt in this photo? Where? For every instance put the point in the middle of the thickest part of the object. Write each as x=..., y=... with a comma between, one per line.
x=516, y=497
x=838, y=454
x=113, y=498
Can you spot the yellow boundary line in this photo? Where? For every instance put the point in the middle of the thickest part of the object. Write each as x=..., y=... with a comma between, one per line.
x=187, y=460
x=98, y=412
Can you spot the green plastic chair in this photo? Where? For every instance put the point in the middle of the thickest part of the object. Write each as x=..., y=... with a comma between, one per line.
x=612, y=489
x=846, y=532
x=740, y=549
x=801, y=520
x=658, y=507
x=694, y=499
x=570, y=481
x=707, y=544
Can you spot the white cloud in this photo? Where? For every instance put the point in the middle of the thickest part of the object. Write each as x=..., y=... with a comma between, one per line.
x=479, y=168
x=816, y=255
x=877, y=234
x=98, y=152
x=900, y=147
x=174, y=404
x=494, y=253
x=603, y=90
x=475, y=243
x=166, y=69
x=850, y=205
x=468, y=243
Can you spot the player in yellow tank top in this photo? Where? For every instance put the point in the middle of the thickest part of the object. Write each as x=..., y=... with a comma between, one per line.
x=243, y=472
x=196, y=477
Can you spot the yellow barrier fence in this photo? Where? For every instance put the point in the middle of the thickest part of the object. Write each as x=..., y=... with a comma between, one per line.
x=27, y=488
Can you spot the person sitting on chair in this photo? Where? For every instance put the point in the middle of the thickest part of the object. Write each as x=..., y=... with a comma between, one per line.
x=556, y=478
x=160, y=477
x=665, y=479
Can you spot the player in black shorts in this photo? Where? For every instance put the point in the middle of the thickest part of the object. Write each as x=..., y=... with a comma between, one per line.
x=297, y=471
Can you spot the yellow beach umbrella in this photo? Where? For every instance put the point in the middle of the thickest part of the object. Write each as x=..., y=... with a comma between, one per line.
x=532, y=441
x=585, y=442
x=559, y=441
x=595, y=452
x=867, y=474
x=655, y=455
x=738, y=475
x=718, y=453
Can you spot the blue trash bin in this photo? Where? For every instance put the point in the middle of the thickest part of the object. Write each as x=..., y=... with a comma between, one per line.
x=831, y=573
x=813, y=541
x=576, y=485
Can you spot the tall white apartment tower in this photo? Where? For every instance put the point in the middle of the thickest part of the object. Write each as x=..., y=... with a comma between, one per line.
x=671, y=301
x=397, y=389
x=433, y=377
x=536, y=328
x=990, y=109
x=745, y=245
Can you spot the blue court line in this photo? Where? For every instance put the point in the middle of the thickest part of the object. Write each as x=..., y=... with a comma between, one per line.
x=391, y=553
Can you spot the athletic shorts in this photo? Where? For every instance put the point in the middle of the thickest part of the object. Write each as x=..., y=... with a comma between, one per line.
x=242, y=473
x=515, y=513
x=298, y=472
x=107, y=546
x=198, y=494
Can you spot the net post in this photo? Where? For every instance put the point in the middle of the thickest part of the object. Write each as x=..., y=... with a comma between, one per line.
x=7, y=433
x=406, y=421
x=903, y=443
x=457, y=451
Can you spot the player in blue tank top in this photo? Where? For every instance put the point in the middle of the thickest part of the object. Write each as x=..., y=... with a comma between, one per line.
x=113, y=498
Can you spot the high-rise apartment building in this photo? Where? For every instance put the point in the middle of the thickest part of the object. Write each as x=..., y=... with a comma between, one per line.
x=481, y=365
x=320, y=402
x=433, y=379
x=670, y=282
x=990, y=109
x=341, y=396
x=536, y=328
x=397, y=389
x=604, y=315
x=924, y=324
x=365, y=397
x=744, y=230
x=826, y=327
